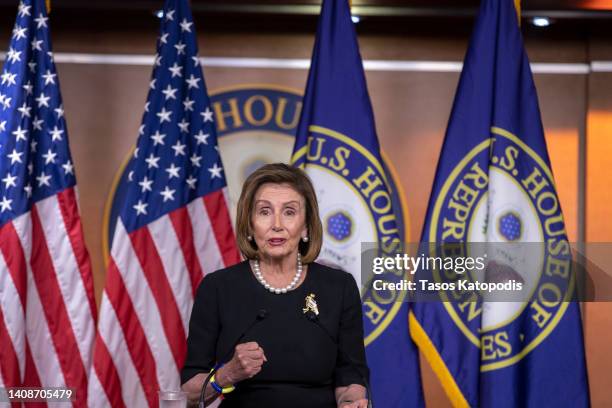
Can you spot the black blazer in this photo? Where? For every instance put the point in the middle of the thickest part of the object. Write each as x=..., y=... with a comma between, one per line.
x=304, y=364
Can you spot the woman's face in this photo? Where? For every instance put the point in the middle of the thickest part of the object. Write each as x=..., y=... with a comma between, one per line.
x=278, y=220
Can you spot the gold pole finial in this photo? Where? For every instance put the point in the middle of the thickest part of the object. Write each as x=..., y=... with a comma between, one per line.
x=517, y=6
x=48, y=4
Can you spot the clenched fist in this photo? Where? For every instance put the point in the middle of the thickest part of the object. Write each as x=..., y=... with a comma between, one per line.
x=247, y=362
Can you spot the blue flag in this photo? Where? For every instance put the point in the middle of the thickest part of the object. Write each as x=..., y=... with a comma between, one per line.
x=494, y=184
x=336, y=144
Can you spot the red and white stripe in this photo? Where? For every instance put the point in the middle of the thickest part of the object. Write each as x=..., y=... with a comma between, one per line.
x=151, y=279
x=47, y=306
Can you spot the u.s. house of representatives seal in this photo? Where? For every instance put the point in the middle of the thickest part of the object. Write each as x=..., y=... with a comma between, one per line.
x=256, y=124
x=356, y=202
x=513, y=201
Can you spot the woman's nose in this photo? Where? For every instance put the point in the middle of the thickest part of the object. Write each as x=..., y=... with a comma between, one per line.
x=277, y=223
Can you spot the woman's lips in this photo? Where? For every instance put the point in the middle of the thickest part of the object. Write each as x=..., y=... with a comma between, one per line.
x=276, y=241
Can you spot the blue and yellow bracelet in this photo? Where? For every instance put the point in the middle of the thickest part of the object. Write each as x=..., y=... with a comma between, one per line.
x=217, y=387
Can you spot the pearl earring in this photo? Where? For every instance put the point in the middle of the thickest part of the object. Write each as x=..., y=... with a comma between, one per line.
x=305, y=239
x=250, y=238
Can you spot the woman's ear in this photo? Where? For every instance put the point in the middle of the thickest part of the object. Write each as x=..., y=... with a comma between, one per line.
x=305, y=237
x=251, y=238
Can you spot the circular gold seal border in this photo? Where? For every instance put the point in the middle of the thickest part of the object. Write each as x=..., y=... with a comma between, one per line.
x=432, y=233
x=368, y=155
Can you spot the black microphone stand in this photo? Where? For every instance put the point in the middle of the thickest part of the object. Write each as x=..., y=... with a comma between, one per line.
x=262, y=314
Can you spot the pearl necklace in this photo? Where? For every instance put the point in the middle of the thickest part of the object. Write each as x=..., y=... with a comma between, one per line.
x=289, y=287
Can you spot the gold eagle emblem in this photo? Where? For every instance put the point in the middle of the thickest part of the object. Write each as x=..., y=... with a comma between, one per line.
x=311, y=305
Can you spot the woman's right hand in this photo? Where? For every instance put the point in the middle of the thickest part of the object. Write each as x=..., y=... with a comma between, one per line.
x=247, y=362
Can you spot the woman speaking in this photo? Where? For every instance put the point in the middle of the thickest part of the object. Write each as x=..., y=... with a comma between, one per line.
x=290, y=329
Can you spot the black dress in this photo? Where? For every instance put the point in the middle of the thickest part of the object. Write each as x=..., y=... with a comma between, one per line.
x=304, y=365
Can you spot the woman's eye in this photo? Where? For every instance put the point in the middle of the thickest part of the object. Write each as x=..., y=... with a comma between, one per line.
x=264, y=211
x=290, y=212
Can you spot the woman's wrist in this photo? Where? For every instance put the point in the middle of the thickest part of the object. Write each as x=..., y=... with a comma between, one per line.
x=223, y=377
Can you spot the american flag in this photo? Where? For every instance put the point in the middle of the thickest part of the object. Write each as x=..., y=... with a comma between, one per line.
x=173, y=227
x=47, y=307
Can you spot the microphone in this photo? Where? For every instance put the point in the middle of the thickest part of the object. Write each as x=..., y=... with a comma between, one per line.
x=313, y=317
x=261, y=315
